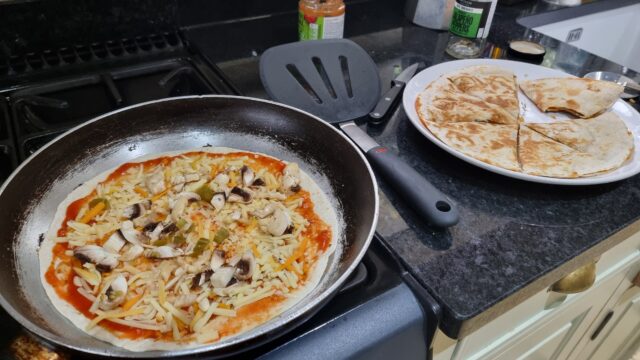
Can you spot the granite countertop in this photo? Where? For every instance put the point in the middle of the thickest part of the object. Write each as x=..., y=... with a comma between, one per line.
x=515, y=238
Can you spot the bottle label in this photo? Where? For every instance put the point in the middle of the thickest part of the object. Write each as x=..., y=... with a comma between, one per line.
x=320, y=27
x=469, y=18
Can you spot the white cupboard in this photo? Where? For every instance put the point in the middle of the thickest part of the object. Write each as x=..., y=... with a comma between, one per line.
x=552, y=326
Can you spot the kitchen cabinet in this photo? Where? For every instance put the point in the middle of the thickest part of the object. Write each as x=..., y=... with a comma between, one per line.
x=556, y=326
x=616, y=332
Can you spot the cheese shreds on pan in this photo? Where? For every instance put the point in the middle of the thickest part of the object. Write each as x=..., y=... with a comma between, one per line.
x=156, y=253
x=581, y=97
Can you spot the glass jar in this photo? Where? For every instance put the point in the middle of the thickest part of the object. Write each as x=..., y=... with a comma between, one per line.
x=321, y=19
x=469, y=27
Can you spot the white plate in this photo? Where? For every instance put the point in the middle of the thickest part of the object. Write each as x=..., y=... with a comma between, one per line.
x=530, y=112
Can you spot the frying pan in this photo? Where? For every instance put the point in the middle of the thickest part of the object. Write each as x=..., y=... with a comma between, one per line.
x=29, y=198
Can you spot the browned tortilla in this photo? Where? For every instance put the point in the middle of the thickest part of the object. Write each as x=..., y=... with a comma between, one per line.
x=584, y=98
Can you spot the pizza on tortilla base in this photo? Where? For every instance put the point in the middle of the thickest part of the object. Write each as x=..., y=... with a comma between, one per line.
x=186, y=249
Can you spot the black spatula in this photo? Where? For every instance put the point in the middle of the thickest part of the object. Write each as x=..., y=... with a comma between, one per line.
x=338, y=81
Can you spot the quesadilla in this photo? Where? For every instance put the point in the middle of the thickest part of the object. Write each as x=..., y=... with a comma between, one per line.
x=605, y=138
x=186, y=249
x=493, y=144
x=584, y=98
x=492, y=84
x=442, y=102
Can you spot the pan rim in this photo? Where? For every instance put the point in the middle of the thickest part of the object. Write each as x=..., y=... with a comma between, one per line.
x=236, y=340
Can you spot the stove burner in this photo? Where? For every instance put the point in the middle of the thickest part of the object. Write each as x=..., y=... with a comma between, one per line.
x=89, y=53
x=41, y=112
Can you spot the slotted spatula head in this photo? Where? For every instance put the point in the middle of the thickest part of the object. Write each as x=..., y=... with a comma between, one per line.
x=334, y=79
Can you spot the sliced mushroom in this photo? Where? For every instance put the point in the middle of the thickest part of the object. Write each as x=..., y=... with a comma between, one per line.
x=136, y=210
x=221, y=180
x=240, y=195
x=155, y=182
x=245, y=267
x=132, y=252
x=247, y=175
x=291, y=177
x=129, y=232
x=114, y=294
x=154, y=234
x=185, y=300
x=115, y=243
x=201, y=278
x=217, y=260
x=258, y=182
x=163, y=252
x=222, y=277
x=102, y=259
x=218, y=200
x=278, y=222
x=169, y=228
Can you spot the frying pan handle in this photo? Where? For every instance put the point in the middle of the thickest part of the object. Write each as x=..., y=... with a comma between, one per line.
x=425, y=199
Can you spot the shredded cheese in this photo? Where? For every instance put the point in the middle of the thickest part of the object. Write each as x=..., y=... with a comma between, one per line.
x=93, y=212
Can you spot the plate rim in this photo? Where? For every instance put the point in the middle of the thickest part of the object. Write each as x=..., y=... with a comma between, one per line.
x=409, y=98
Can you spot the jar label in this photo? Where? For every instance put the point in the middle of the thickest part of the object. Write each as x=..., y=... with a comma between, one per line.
x=320, y=27
x=469, y=18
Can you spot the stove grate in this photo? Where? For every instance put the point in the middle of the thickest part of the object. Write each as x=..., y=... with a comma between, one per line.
x=90, y=53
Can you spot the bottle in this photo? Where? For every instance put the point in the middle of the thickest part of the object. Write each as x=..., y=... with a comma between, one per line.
x=469, y=27
x=321, y=19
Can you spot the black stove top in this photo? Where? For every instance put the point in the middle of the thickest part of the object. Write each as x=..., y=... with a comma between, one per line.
x=45, y=94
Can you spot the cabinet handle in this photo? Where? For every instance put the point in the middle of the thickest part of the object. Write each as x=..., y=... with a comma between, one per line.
x=577, y=281
x=602, y=325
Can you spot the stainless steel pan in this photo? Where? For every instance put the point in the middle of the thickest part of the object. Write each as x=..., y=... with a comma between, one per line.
x=31, y=195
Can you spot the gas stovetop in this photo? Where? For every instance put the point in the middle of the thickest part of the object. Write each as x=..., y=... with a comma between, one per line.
x=379, y=311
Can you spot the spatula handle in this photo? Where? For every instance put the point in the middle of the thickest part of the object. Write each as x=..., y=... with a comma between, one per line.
x=426, y=200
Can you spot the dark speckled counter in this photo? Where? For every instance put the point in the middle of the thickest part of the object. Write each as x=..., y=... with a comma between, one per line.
x=514, y=238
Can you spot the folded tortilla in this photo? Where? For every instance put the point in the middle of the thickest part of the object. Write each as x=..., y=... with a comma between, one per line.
x=492, y=84
x=584, y=98
x=442, y=102
x=606, y=138
x=493, y=144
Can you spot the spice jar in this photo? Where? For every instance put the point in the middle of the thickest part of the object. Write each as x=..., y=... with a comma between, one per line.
x=320, y=19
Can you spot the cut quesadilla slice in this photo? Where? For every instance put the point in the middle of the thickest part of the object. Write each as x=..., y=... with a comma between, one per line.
x=605, y=137
x=492, y=84
x=494, y=144
x=543, y=156
x=442, y=102
x=584, y=98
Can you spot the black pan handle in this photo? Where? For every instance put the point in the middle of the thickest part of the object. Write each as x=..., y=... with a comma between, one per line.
x=385, y=103
x=425, y=199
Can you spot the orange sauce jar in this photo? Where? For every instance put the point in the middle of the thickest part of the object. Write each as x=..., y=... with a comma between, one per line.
x=320, y=19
